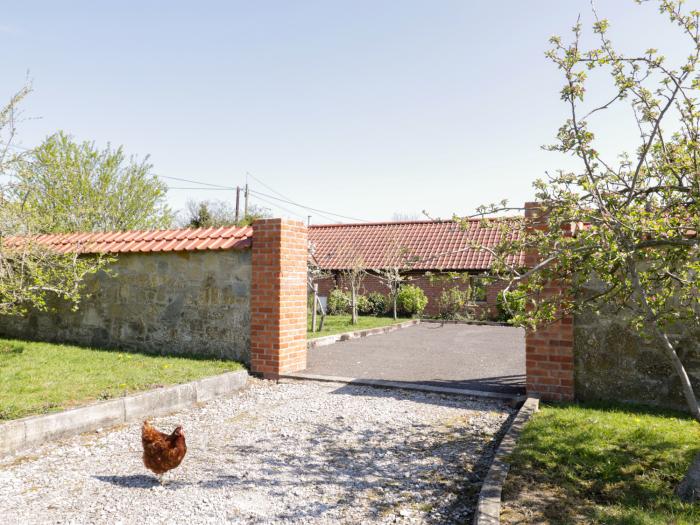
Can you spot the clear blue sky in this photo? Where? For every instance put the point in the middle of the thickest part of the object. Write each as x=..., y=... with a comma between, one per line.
x=364, y=108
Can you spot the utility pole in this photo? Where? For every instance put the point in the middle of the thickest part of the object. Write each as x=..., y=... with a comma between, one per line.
x=238, y=203
x=245, y=206
x=308, y=221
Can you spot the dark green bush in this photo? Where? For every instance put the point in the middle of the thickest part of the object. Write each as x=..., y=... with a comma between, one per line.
x=508, y=303
x=411, y=300
x=338, y=302
x=379, y=303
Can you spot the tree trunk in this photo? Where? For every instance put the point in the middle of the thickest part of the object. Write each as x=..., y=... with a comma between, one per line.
x=395, y=316
x=686, y=385
x=689, y=489
x=354, y=305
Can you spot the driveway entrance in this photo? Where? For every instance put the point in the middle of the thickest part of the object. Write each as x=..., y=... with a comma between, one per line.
x=469, y=357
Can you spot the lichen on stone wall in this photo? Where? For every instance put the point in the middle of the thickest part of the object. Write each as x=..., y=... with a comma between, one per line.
x=178, y=303
x=613, y=363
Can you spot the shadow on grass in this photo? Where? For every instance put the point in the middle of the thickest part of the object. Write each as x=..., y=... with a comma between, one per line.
x=17, y=346
x=614, y=463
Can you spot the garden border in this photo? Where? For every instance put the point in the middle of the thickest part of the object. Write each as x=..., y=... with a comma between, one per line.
x=488, y=509
x=23, y=433
x=368, y=332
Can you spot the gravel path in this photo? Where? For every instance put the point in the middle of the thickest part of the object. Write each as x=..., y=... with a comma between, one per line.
x=299, y=452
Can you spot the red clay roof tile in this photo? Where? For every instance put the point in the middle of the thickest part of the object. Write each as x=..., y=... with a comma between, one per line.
x=186, y=239
x=422, y=245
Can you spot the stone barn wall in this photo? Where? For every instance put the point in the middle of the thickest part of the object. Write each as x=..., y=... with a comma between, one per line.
x=185, y=302
x=612, y=363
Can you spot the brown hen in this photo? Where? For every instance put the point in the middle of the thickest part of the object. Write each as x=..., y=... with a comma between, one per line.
x=162, y=452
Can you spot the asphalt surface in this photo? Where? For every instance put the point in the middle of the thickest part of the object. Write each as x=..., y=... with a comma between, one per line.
x=473, y=357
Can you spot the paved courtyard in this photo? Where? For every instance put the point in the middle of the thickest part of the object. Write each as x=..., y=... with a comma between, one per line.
x=299, y=452
x=475, y=357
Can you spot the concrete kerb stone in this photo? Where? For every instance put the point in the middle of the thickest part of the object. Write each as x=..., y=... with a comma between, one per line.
x=347, y=336
x=211, y=387
x=488, y=510
x=24, y=433
x=74, y=421
x=160, y=401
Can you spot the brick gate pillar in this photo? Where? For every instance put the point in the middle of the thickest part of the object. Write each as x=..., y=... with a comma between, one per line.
x=549, y=350
x=278, y=297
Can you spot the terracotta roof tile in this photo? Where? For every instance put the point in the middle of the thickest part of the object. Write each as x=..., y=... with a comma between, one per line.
x=186, y=239
x=433, y=245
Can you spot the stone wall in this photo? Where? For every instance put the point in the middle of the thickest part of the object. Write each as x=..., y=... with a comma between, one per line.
x=612, y=363
x=166, y=302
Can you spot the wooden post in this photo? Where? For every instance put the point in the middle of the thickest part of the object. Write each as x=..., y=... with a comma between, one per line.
x=313, y=313
x=323, y=313
x=245, y=203
x=238, y=204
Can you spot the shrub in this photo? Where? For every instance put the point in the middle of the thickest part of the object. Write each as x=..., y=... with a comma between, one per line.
x=411, y=300
x=379, y=303
x=338, y=302
x=364, y=307
x=508, y=302
x=453, y=303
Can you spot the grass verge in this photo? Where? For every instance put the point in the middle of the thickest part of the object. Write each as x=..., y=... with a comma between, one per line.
x=338, y=324
x=38, y=378
x=601, y=464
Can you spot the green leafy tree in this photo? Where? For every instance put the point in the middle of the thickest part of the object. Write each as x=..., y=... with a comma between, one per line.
x=77, y=187
x=31, y=275
x=621, y=232
x=216, y=213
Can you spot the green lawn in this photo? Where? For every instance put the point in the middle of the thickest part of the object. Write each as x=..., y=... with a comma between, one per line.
x=601, y=464
x=337, y=324
x=37, y=378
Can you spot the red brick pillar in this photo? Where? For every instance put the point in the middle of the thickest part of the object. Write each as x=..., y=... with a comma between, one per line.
x=278, y=297
x=549, y=350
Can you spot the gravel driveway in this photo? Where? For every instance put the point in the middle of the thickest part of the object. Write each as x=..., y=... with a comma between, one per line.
x=298, y=452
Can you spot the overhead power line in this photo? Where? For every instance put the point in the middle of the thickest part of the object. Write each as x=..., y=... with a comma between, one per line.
x=287, y=198
x=199, y=188
x=262, y=196
x=280, y=207
x=257, y=193
x=216, y=186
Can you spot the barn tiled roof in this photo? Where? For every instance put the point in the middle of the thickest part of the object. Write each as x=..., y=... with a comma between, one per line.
x=424, y=245
x=187, y=239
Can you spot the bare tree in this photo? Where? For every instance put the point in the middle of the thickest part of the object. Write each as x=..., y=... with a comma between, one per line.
x=397, y=262
x=354, y=276
x=315, y=274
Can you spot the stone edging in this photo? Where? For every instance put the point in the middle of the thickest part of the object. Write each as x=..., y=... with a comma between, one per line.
x=488, y=510
x=330, y=339
x=24, y=433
